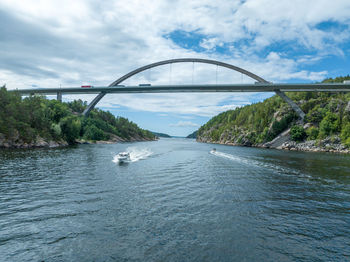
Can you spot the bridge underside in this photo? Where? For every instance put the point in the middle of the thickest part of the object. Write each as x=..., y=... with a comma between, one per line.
x=289, y=101
x=279, y=89
x=258, y=87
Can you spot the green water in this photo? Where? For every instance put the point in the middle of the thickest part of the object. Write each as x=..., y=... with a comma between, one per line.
x=175, y=201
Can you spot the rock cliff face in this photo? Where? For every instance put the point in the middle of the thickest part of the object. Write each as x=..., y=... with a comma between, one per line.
x=16, y=142
x=116, y=139
x=329, y=144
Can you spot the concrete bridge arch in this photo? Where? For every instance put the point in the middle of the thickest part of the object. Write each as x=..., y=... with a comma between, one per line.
x=259, y=79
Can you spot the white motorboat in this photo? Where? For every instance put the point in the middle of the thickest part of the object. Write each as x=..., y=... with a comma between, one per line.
x=123, y=157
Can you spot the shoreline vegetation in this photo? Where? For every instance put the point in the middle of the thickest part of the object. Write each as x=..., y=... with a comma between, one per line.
x=273, y=124
x=38, y=122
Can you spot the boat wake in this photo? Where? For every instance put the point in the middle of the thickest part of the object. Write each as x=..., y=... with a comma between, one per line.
x=224, y=155
x=136, y=154
x=250, y=162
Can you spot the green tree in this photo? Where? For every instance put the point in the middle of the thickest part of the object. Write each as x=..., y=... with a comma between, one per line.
x=70, y=127
x=56, y=131
x=77, y=106
x=345, y=134
x=312, y=133
x=94, y=133
x=57, y=110
x=329, y=125
x=297, y=133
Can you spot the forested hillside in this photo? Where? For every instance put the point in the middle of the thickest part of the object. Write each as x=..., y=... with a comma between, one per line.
x=327, y=116
x=36, y=121
x=193, y=135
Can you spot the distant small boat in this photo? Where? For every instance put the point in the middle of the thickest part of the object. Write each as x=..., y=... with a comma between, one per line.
x=213, y=150
x=123, y=157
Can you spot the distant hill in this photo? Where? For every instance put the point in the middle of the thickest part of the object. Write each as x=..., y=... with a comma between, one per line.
x=160, y=134
x=193, y=135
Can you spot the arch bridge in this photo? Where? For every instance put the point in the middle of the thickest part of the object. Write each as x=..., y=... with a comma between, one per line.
x=261, y=85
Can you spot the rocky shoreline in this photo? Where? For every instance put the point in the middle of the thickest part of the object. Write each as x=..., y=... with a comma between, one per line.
x=329, y=144
x=16, y=143
x=116, y=139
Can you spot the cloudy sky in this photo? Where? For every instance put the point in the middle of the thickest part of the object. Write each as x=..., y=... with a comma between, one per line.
x=49, y=43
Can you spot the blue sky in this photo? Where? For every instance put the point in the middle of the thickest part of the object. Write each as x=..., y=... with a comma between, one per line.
x=70, y=43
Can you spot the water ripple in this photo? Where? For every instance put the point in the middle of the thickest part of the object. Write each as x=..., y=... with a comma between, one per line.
x=180, y=203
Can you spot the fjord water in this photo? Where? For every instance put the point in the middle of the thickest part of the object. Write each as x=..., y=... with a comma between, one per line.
x=175, y=201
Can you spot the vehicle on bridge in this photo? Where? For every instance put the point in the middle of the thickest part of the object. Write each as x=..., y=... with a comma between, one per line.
x=87, y=86
x=144, y=84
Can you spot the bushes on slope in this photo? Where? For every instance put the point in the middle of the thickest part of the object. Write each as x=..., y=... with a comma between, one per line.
x=26, y=119
x=328, y=113
x=297, y=133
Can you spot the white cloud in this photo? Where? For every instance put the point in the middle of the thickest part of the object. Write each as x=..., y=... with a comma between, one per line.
x=204, y=104
x=210, y=43
x=184, y=124
x=60, y=42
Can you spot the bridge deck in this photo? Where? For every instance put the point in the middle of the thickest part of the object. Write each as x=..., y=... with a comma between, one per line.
x=259, y=87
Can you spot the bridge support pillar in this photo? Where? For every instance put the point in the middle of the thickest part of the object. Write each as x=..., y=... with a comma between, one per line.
x=59, y=96
x=93, y=103
x=292, y=104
